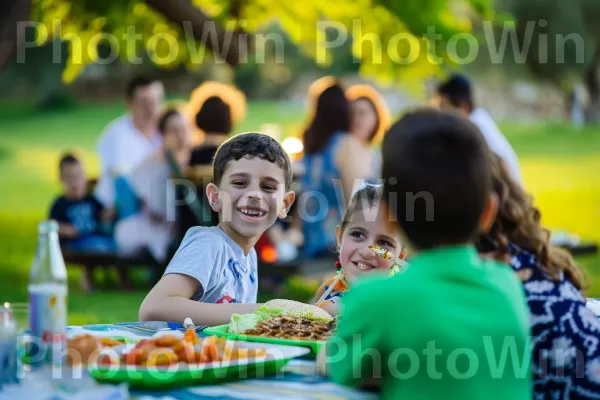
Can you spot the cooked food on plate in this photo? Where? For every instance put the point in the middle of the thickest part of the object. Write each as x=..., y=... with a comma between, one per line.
x=82, y=348
x=286, y=319
x=290, y=327
x=169, y=350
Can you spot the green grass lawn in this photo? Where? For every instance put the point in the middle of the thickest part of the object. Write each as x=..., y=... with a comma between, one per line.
x=560, y=168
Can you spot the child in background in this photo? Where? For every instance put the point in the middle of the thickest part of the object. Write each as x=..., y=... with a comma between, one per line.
x=79, y=214
x=216, y=266
x=438, y=327
x=363, y=225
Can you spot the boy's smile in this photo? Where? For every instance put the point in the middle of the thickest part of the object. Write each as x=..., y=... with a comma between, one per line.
x=252, y=214
x=250, y=197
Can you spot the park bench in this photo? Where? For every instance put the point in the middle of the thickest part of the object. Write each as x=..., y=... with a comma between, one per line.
x=90, y=262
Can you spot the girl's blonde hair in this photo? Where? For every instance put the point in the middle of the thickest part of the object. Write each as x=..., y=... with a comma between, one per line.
x=518, y=221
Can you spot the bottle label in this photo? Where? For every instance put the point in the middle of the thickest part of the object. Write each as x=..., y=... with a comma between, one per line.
x=48, y=319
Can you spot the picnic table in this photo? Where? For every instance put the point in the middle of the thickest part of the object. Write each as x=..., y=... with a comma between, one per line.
x=298, y=380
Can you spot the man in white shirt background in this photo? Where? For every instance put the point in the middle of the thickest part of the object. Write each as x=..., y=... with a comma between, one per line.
x=131, y=138
x=457, y=93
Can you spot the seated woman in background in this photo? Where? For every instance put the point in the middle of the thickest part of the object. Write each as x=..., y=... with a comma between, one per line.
x=330, y=157
x=214, y=120
x=152, y=228
x=370, y=119
x=214, y=109
x=566, y=334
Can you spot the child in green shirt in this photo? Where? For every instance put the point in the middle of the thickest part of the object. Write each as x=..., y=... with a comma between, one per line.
x=450, y=325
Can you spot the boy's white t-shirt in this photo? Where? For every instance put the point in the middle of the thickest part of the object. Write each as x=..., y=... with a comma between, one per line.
x=211, y=257
x=496, y=141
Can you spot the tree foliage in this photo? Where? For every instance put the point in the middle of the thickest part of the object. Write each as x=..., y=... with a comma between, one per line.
x=564, y=36
x=395, y=26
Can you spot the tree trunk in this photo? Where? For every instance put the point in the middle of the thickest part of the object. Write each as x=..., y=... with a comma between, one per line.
x=11, y=12
x=229, y=46
x=593, y=87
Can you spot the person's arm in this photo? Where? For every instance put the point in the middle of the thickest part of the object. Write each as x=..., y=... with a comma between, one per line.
x=107, y=147
x=105, y=215
x=354, y=161
x=58, y=212
x=330, y=306
x=320, y=292
x=195, y=268
x=143, y=183
x=108, y=215
x=170, y=300
x=67, y=231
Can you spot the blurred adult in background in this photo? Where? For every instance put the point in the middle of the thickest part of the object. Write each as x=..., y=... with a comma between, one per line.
x=565, y=333
x=370, y=119
x=214, y=120
x=457, y=93
x=331, y=157
x=152, y=228
x=214, y=109
x=131, y=138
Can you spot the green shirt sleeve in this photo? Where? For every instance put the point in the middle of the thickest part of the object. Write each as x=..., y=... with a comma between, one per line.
x=355, y=353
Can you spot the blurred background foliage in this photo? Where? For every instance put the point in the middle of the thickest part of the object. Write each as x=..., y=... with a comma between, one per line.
x=294, y=24
x=63, y=91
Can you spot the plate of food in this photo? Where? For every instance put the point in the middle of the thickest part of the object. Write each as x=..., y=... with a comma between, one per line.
x=280, y=322
x=171, y=359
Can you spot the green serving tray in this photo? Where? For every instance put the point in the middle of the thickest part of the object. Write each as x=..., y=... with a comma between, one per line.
x=203, y=374
x=222, y=331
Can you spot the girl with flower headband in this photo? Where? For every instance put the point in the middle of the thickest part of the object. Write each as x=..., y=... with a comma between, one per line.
x=367, y=243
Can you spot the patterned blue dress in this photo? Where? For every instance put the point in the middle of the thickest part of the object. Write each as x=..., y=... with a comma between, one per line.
x=565, y=335
x=321, y=204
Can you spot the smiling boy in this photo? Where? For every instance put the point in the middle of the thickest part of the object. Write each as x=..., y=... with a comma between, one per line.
x=213, y=274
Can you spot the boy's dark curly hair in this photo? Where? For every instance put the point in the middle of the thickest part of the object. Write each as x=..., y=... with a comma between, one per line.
x=251, y=145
